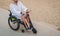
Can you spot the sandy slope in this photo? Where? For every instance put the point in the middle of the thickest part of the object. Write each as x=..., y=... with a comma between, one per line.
x=43, y=28
x=42, y=10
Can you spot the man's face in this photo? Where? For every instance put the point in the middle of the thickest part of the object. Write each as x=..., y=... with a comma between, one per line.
x=15, y=0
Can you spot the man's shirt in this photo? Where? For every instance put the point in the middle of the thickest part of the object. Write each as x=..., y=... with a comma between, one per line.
x=17, y=9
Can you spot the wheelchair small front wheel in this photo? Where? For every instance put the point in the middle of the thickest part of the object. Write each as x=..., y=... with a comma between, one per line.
x=13, y=25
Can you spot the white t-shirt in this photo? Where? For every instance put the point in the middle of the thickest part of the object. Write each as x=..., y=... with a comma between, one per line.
x=17, y=9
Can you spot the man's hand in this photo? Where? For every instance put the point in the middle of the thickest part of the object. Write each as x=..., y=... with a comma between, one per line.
x=27, y=12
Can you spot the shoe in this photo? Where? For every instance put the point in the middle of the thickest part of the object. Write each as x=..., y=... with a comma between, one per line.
x=29, y=29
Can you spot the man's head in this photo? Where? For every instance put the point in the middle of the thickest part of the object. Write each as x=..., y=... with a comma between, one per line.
x=15, y=1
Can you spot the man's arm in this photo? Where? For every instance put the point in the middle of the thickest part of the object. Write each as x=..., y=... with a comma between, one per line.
x=12, y=9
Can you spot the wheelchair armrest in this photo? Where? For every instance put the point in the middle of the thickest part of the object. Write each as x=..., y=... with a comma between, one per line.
x=9, y=10
x=10, y=13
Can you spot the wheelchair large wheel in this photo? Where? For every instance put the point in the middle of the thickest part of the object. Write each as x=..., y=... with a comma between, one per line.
x=13, y=25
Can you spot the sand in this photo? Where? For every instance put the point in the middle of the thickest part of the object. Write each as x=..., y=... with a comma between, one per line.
x=42, y=10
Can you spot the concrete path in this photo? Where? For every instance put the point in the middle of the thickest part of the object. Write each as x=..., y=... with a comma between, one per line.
x=44, y=29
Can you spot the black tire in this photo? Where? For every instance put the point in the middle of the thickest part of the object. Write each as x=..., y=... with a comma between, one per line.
x=34, y=31
x=15, y=29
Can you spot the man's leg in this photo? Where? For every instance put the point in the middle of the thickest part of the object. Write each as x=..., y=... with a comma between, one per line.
x=25, y=21
x=29, y=20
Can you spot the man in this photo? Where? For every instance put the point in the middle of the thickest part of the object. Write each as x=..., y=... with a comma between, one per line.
x=16, y=9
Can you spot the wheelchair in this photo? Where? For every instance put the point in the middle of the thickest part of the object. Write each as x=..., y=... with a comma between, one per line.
x=14, y=23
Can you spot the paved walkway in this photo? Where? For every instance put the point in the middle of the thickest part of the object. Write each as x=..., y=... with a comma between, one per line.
x=44, y=29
